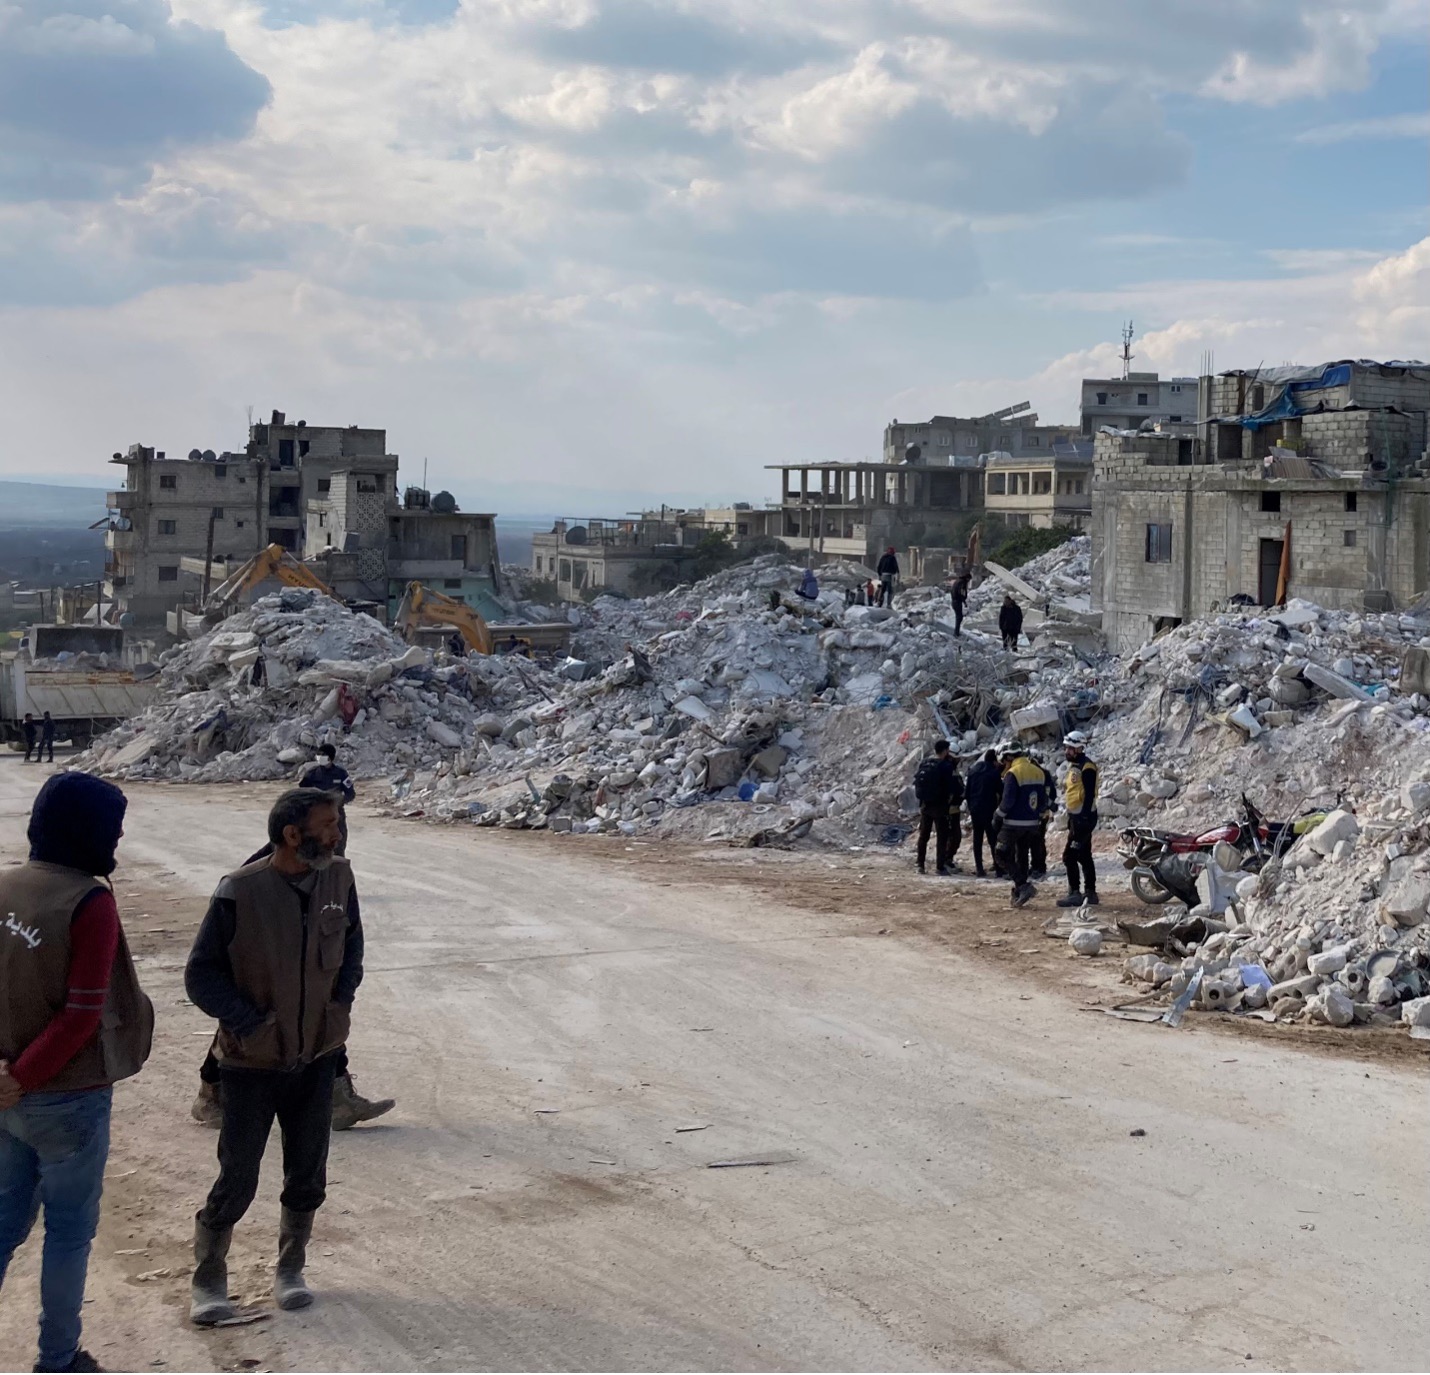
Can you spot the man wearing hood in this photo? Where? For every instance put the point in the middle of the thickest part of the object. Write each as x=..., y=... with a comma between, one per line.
x=277, y=962
x=73, y=1021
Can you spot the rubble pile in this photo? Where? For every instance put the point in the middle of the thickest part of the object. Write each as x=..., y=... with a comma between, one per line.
x=1335, y=932
x=327, y=672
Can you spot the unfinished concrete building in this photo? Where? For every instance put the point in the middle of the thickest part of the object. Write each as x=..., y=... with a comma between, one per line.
x=624, y=556
x=947, y=440
x=430, y=541
x=1331, y=459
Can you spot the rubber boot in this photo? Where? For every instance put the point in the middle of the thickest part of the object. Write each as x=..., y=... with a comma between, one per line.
x=209, y=1301
x=289, y=1288
x=350, y=1107
x=207, y=1110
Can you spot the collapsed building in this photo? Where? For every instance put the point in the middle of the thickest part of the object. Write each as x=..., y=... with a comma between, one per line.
x=1305, y=482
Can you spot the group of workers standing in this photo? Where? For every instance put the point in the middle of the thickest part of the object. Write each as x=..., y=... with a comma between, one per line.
x=277, y=963
x=1011, y=800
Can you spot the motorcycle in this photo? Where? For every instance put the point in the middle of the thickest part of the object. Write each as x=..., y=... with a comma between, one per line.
x=1157, y=858
x=1146, y=850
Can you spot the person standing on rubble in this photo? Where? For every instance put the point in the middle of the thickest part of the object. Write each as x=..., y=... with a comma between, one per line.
x=958, y=595
x=328, y=776
x=888, y=571
x=934, y=786
x=73, y=1021
x=1080, y=794
x=983, y=793
x=277, y=962
x=1010, y=622
x=1026, y=795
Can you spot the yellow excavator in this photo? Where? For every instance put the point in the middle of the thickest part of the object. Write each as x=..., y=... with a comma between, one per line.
x=274, y=562
x=420, y=606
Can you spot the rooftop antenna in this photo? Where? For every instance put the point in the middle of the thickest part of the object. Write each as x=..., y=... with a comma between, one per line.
x=1127, y=354
x=424, y=474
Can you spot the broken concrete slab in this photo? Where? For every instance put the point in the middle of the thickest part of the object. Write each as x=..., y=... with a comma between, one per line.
x=1337, y=684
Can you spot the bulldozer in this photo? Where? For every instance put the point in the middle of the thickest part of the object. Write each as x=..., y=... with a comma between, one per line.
x=420, y=606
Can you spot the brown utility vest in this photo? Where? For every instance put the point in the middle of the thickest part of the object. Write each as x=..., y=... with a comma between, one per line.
x=285, y=961
x=37, y=903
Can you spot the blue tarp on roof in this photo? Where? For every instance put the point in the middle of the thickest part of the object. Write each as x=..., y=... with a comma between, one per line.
x=1287, y=404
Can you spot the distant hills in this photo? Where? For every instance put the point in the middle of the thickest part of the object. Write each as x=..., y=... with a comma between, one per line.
x=24, y=504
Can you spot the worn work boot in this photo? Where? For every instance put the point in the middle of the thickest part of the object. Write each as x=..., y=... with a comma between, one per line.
x=1023, y=895
x=1092, y=899
x=289, y=1287
x=1072, y=899
x=350, y=1107
x=207, y=1110
x=209, y=1302
x=80, y=1361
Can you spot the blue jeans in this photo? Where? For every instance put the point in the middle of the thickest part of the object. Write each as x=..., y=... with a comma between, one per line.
x=53, y=1147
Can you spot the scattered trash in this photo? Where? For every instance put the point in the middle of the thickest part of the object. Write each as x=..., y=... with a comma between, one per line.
x=751, y=1160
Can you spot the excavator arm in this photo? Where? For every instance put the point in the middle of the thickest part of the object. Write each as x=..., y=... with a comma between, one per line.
x=274, y=562
x=421, y=606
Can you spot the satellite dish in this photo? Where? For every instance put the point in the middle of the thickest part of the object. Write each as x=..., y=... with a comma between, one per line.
x=194, y=455
x=126, y=620
x=209, y=456
x=913, y=453
x=576, y=535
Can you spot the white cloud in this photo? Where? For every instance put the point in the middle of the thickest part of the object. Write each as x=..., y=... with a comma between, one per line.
x=1355, y=130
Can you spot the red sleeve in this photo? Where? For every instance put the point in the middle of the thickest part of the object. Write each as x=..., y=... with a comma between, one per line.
x=94, y=937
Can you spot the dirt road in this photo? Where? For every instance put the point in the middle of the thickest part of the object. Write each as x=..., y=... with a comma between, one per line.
x=962, y=1186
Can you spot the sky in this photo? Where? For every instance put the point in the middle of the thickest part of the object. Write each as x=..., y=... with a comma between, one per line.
x=579, y=255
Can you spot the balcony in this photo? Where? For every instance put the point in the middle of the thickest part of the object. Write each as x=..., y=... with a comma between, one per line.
x=120, y=541
x=120, y=501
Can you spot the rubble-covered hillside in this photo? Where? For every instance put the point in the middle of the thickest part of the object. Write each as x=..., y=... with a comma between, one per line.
x=736, y=709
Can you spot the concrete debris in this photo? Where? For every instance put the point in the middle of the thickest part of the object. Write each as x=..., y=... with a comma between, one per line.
x=732, y=711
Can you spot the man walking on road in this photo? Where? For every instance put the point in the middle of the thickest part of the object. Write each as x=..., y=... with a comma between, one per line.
x=1026, y=796
x=983, y=794
x=1080, y=793
x=888, y=571
x=277, y=961
x=47, y=739
x=934, y=786
x=1010, y=623
x=329, y=776
x=73, y=1021
x=30, y=730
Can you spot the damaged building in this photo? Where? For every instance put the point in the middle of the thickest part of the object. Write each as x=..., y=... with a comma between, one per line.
x=328, y=494
x=1302, y=482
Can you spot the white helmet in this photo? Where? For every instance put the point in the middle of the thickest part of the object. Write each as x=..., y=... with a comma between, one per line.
x=1075, y=740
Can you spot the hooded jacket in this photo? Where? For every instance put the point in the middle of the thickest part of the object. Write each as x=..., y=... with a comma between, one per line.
x=1010, y=618
x=985, y=788
x=74, y=831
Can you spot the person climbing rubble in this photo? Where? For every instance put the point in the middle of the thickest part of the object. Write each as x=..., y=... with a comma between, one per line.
x=888, y=572
x=1010, y=622
x=935, y=782
x=958, y=597
x=1026, y=794
x=282, y=1021
x=1080, y=797
x=982, y=794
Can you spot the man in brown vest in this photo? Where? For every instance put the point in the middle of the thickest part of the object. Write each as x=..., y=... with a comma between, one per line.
x=277, y=962
x=73, y=1021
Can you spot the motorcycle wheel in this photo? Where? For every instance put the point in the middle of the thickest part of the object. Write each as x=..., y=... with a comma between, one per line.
x=1148, y=890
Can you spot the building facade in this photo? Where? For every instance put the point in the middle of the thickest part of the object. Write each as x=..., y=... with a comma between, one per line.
x=1127, y=403
x=1331, y=460
x=629, y=557
x=1052, y=489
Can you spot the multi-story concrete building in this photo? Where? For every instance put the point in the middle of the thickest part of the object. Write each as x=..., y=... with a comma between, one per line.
x=1331, y=459
x=450, y=550
x=165, y=512
x=1052, y=489
x=948, y=441
x=1127, y=403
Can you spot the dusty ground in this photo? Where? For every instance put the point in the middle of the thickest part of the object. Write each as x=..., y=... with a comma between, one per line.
x=962, y=1189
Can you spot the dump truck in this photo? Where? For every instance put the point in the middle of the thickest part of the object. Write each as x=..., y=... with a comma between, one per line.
x=74, y=672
